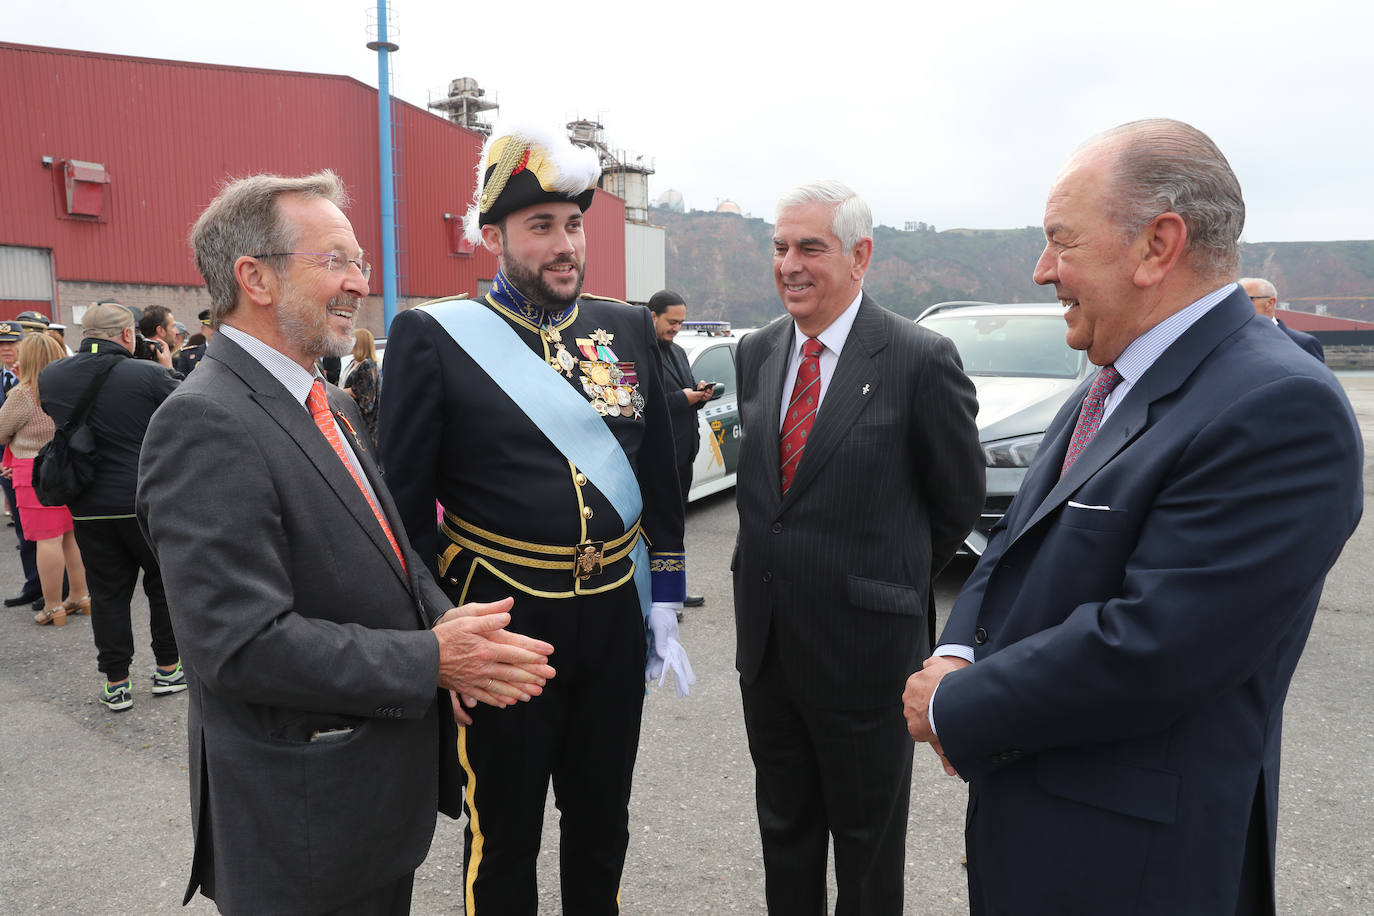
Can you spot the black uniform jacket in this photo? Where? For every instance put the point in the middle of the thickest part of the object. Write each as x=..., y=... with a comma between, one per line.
x=187, y=358
x=513, y=503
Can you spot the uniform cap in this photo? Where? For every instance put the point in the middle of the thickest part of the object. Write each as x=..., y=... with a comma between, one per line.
x=522, y=165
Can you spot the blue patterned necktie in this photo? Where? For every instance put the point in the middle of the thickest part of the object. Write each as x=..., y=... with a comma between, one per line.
x=1091, y=416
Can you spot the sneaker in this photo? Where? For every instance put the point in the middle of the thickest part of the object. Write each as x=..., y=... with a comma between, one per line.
x=173, y=681
x=118, y=699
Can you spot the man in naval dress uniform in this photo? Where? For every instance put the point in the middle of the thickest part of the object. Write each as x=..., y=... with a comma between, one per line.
x=522, y=517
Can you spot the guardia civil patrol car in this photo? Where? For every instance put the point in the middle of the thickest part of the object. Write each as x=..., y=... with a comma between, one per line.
x=710, y=347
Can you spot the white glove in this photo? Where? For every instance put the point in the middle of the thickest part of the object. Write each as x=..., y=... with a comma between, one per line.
x=665, y=652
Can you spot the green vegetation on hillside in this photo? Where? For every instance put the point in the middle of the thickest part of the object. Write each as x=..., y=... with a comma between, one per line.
x=722, y=265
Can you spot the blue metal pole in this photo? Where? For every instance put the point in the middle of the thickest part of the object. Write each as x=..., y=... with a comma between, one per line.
x=383, y=47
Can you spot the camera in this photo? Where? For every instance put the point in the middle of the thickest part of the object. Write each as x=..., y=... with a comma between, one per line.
x=145, y=348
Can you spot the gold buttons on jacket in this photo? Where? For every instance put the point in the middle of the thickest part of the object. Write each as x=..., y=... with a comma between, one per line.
x=586, y=511
x=581, y=481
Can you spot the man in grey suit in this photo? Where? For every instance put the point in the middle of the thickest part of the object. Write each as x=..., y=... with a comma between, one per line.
x=859, y=475
x=321, y=728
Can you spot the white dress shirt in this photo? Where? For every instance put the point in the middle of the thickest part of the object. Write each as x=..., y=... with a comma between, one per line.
x=298, y=382
x=832, y=338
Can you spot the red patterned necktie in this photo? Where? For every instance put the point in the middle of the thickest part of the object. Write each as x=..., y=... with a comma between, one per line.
x=1091, y=416
x=318, y=402
x=801, y=411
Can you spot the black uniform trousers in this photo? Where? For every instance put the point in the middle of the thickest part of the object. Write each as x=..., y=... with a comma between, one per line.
x=684, y=476
x=28, y=550
x=820, y=773
x=582, y=732
x=113, y=550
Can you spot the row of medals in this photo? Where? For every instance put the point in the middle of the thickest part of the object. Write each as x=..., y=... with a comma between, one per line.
x=600, y=380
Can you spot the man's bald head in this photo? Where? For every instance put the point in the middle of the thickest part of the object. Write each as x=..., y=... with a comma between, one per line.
x=1263, y=295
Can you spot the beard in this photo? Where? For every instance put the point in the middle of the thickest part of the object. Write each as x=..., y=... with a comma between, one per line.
x=307, y=326
x=530, y=281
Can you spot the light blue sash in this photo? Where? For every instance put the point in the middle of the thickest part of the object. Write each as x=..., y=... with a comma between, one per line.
x=562, y=415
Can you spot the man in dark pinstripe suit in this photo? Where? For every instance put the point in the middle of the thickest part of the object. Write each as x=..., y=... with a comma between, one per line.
x=859, y=475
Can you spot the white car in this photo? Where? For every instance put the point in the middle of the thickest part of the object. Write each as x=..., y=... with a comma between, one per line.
x=710, y=347
x=1023, y=370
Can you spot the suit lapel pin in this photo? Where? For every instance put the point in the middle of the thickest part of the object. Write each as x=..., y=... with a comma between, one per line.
x=865, y=390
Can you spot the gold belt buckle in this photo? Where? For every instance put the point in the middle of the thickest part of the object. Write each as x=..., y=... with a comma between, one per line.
x=587, y=562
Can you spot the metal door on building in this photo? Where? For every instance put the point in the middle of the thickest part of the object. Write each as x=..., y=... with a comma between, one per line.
x=26, y=281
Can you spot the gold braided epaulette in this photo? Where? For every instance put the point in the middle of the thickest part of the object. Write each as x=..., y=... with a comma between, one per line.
x=604, y=299
x=446, y=299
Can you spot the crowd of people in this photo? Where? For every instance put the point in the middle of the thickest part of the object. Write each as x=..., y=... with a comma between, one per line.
x=1110, y=681
x=128, y=361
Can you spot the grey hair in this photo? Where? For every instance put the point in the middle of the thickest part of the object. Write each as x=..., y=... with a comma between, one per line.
x=852, y=221
x=1167, y=166
x=1262, y=286
x=244, y=220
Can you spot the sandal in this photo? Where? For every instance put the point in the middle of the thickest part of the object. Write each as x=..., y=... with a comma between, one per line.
x=80, y=605
x=57, y=616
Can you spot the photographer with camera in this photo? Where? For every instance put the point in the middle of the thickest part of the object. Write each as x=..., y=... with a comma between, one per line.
x=107, y=532
x=156, y=332
x=685, y=395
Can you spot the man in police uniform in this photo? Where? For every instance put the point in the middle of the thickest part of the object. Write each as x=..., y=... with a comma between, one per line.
x=546, y=439
x=33, y=322
x=187, y=357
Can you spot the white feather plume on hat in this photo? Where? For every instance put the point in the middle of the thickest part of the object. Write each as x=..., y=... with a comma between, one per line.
x=561, y=168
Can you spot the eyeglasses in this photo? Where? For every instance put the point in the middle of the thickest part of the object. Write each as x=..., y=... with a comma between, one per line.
x=334, y=263
x=1253, y=298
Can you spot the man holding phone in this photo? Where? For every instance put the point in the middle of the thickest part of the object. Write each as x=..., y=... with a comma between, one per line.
x=685, y=395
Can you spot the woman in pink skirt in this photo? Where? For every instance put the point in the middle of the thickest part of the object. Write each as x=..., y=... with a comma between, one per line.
x=24, y=429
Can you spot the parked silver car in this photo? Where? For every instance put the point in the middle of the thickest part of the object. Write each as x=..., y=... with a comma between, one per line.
x=1023, y=370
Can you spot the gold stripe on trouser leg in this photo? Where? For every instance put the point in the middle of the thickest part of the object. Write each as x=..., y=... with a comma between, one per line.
x=474, y=825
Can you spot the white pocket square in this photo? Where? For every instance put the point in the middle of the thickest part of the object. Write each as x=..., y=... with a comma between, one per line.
x=1074, y=505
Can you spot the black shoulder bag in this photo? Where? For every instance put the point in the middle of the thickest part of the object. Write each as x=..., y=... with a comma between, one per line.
x=65, y=467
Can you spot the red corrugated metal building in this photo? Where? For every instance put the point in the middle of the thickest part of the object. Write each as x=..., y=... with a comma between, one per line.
x=106, y=161
x=1306, y=321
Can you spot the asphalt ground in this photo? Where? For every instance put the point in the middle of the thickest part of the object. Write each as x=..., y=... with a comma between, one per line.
x=95, y=818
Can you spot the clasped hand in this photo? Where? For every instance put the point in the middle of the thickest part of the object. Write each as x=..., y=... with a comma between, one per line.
x=479, y=660
x=916, y=701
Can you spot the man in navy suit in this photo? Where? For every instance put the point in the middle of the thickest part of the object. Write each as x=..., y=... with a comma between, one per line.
x=1112, y=677
x=1265, y=298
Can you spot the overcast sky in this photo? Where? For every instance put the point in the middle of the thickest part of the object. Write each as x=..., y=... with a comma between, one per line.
x=958, y=116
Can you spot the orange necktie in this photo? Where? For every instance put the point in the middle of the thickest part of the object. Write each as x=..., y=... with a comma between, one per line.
x=318, y=402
